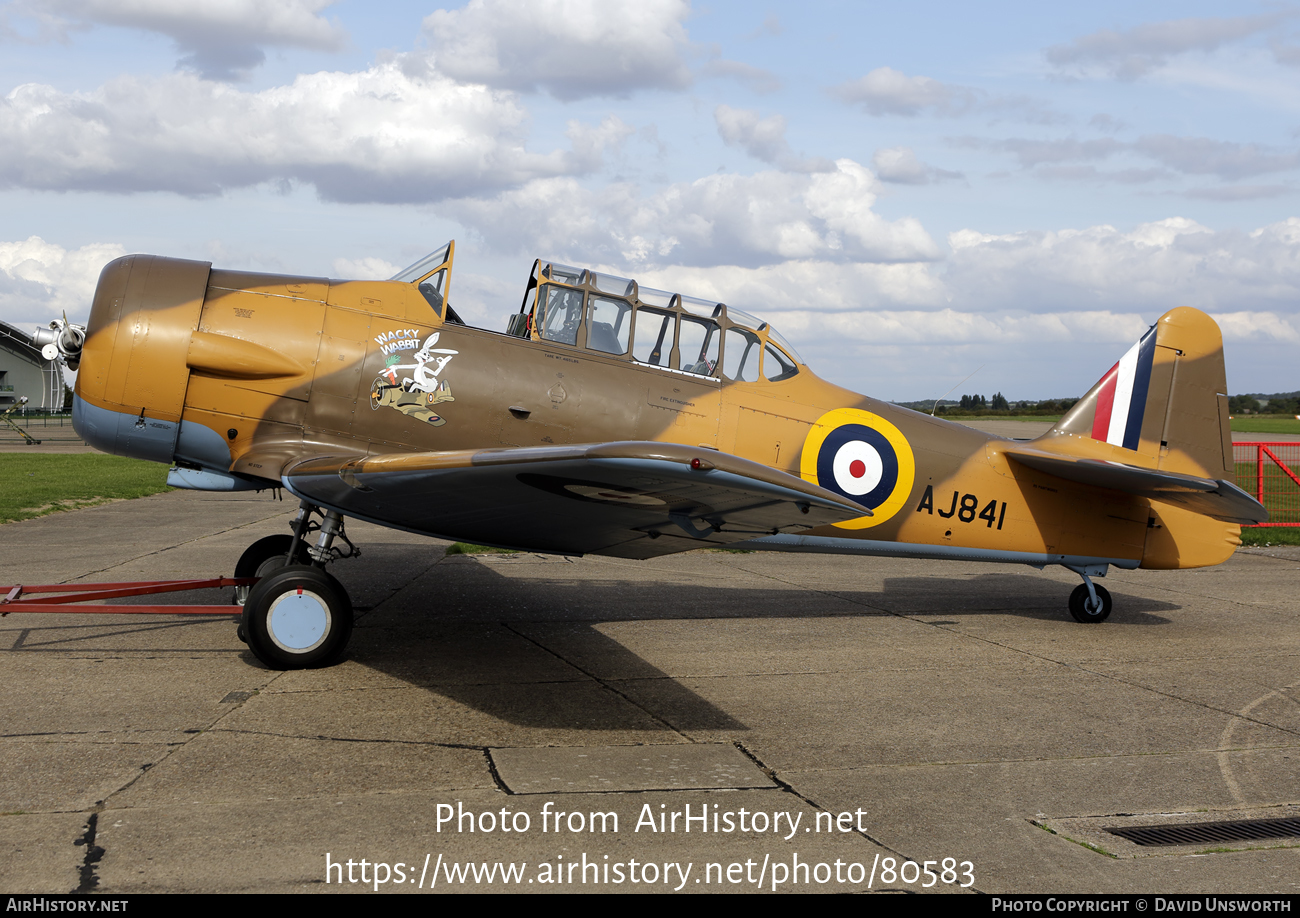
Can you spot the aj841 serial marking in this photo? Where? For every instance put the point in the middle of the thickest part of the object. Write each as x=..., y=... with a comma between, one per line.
x=966, y=511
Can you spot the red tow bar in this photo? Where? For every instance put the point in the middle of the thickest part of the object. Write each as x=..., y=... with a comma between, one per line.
x=15, y=598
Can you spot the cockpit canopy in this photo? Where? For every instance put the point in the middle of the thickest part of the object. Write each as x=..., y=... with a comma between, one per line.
x=617, y=316
x=432, y=277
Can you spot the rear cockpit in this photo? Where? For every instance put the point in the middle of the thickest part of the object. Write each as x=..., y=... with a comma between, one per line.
x=617, y=317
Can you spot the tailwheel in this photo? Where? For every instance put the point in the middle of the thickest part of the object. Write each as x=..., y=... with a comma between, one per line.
x=297, y=617
x=1085, y=609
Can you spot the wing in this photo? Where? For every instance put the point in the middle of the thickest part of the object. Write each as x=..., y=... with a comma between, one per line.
x=628, y=499
x=1219, y=499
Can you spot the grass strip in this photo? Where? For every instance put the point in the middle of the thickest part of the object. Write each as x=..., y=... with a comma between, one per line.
x=34, y=484
x=1266, y=425
x=469, y=548
x=1270, y=535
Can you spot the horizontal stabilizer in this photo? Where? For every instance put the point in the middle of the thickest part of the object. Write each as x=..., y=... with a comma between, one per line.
x=630, y=499
x=1219, y=499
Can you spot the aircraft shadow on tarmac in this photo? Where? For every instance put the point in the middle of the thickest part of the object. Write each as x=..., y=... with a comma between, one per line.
x=465, y=629
x=518, y=638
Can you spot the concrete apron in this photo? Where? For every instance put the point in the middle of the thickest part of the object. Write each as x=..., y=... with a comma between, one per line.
x=709, y=722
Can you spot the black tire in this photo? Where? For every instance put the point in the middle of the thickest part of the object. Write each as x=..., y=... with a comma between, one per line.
x=297, y=617
x=256, y=559
x=262, y=557
x=1079, y=602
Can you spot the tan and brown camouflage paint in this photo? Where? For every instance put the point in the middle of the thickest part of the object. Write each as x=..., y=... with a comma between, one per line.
x=285, y=367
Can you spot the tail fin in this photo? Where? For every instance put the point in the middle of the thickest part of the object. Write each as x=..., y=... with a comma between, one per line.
x=1164, y=405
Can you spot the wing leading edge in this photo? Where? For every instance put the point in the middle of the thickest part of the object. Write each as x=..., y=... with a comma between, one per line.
x=627, y=499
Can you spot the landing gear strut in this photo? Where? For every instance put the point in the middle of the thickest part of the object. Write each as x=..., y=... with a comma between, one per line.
x=1089, y=602
x=296, y=616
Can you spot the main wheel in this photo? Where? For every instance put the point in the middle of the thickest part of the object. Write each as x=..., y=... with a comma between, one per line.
x=1081, y=606
x=297, y=617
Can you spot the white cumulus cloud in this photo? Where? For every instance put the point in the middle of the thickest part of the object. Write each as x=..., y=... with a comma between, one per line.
x=219, y=38
x=763, y=139
x=382, y=134
x=744, y=220
x=40, y=280
x=1155, y=267
x=572, y=49
x=886, y=91
x=1133, y=53
x=901, y=166
x=368, y=268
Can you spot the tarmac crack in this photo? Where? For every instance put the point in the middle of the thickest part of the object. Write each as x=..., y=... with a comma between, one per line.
x=373, y=607
x=321, y=737
x=159, y=551
x=984, y=763
x=1110, y=677
x=801, y=586
x=789, y=788
x=133, y=628
x=1178, y=592
x=88, y=876
x=599, y=681
x=173, y=748
x=312, y=690
x=496, y=775
x=115, y=741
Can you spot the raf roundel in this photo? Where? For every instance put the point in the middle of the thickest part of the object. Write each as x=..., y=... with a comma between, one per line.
x=863, y=457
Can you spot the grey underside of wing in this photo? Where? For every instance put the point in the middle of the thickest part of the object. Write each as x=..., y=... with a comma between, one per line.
x=1221, y=500
x=625, y=507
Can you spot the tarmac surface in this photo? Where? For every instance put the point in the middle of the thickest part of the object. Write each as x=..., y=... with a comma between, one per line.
x=849, y=710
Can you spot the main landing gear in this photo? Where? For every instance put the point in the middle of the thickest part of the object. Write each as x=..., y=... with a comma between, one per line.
x=296, y=616
x=1090, y=602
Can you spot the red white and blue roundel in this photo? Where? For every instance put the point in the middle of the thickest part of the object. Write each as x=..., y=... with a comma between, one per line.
x=863, y=457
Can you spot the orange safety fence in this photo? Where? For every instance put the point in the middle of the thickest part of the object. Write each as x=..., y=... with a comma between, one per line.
x=1270, y=473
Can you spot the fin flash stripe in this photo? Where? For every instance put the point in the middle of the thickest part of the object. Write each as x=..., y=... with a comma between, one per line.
x=1122, y=401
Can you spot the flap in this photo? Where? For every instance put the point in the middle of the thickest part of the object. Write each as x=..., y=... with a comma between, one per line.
x=1219, y=499
x=629, y=499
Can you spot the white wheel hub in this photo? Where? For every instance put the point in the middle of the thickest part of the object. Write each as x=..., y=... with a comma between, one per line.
x=298, y=621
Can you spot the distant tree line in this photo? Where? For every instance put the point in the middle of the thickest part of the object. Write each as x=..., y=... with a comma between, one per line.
x=1287, y=403
x=1282, y=403
x=975, y=405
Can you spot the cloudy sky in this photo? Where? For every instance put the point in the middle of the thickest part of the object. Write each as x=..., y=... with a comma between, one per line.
x=910, y=192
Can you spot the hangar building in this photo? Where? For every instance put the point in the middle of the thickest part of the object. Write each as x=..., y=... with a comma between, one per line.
x=23, y=371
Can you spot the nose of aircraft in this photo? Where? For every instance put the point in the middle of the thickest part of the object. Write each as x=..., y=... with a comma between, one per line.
x=131, y=383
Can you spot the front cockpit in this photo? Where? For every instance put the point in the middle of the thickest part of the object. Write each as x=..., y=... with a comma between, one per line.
x=432, y=277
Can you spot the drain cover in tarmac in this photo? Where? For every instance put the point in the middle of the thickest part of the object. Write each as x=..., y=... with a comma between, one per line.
x=1180, y=833
x=597, y=769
